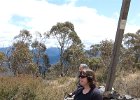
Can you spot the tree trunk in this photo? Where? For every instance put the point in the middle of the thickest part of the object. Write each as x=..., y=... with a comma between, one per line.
x=61, y=59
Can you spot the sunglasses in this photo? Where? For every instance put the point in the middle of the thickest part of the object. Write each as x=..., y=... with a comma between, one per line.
x=82, y=76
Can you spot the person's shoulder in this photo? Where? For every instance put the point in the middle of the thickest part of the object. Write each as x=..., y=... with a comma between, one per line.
x=96, y=91
x=79, y=90
x=96, y=94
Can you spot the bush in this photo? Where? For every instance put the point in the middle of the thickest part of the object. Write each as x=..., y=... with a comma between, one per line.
x=128, y=84
x=29, y=88
x=138, y=65
x=2, y=69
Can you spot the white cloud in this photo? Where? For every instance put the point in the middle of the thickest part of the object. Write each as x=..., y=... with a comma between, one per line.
x=132, y=28
x=7, y=33
x=90, y=26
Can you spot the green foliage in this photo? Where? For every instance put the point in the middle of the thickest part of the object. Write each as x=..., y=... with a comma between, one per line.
x=101, y=63
x=74, y=55
x=2, y=55
x=94, y=63
x=24, y=36
x=2, y=69
x=94, y=49
x=101, y=78
x=39, y=49
x=105, y=48
x=132, y=43
x=127, y=60
x=39, y=46
x=32, y=68
x=46, y=60
x=8, y=94
x=106, y=51
x=65, y=35
x=21, y=57
x=137, y=65
x=2, y=58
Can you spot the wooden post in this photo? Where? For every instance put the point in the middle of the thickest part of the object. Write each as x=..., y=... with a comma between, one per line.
x=117, y=44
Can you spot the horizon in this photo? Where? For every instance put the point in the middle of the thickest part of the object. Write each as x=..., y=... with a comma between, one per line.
x=94, y=20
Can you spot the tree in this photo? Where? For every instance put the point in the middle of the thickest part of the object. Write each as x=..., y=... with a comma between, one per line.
x=132, y=43
x=95, y=49
x=74, y=55
x=106, y=47
x=94, y=63
x=46, y=60
x=65, y=35
x=21, y=57
x=8, y=54
x=39, y=52
x=127, y=60
x=2, y=61
x=24, y=36
x=39, y=49
x=2, y=57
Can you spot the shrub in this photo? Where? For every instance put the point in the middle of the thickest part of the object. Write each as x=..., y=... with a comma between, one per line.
x=128, y=84
x=29, y=88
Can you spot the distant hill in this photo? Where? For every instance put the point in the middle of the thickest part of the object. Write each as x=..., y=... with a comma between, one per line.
x=4, y=50
x=52, y=52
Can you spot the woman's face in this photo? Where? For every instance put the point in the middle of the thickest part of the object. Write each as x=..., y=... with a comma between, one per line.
x=83, y=81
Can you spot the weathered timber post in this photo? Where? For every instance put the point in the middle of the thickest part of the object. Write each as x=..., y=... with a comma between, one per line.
x=117, y=44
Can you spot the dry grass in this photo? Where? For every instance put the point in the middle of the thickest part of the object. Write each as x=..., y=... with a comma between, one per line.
x=2, y=69
x=128, y=84
x=27, y=88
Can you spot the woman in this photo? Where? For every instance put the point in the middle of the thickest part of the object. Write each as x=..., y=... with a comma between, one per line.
x=88, y=91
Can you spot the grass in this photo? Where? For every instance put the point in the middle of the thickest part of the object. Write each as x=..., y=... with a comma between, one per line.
x=128, y=83
x=28, y=88
x=2, y=69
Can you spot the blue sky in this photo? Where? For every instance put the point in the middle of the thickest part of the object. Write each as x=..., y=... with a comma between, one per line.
x=106, y=7
x=94, y=20
x=21, y=21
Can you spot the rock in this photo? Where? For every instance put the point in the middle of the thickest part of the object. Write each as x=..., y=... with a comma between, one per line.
x=128, y=97
x=109, y=95
x=116, y=96
x=113, y=95
x=69, y=96
x=136, y=99
x=102, y=89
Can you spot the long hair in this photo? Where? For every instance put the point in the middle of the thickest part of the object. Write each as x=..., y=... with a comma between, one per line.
x=90, y=77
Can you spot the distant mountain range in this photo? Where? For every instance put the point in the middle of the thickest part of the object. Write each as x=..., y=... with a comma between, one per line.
x=52, y=52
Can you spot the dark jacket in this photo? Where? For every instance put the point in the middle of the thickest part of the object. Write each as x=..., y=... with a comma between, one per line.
x=94, y=94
